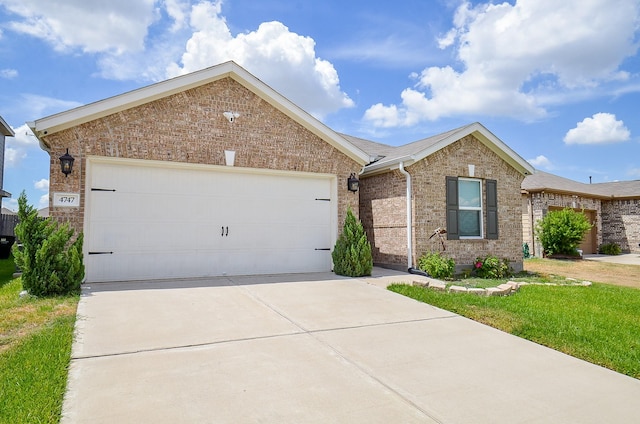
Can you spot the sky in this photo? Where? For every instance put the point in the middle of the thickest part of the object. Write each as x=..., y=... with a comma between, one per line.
x=557, y=81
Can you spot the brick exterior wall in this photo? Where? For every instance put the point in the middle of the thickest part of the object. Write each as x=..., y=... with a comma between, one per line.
x=189, y=127
x=536, y=205
x=622, y=219
x=383, y=207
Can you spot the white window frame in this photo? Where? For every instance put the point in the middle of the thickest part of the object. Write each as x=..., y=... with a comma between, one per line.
x=472, y=208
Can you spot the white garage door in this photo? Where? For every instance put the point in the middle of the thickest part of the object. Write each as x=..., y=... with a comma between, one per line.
x=145, y=220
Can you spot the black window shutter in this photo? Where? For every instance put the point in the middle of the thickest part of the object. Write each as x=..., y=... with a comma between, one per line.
x=492, y=209
x=452, y=208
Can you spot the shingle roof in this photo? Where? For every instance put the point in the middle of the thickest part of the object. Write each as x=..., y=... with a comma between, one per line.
x=385, y=157
x=543, y=181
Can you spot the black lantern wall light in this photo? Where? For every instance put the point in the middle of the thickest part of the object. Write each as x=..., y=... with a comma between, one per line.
x=353, y=183
x=66, y=163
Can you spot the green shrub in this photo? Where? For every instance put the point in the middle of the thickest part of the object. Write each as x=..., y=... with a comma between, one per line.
x=437, y=265
x=610, y=249
x=492, y=267
x=562, y=231
x=352, y=252
x=50, y=261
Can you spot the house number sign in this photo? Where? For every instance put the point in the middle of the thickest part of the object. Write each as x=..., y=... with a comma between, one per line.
x=66, y=200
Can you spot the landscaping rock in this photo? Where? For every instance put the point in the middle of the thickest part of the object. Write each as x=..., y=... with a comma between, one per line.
x=506, y=286
x=457, y=289
x=479, y=292
x=438, y=285
x=421, y=283
x=587, y=283
x=497, y=291
x=514, y=285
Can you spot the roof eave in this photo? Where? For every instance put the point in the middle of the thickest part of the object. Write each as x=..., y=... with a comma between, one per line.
x=64, y=120
x=487, y=138
x=5, y=129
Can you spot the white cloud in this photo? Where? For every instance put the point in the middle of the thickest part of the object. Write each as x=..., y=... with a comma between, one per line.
x=283, y=59
x=42, y=185
x=43, y=202
x=10, y=203
x=8, y=73
x=89, y=25
x=36, y=106
x=17, y=147
x=602, y=128
x=541, y=161
x=512, y=57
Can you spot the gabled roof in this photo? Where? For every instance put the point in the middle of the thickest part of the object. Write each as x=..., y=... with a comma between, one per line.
x=544, y=182
x=60, y=121
x=5, y=129
x=390, y=157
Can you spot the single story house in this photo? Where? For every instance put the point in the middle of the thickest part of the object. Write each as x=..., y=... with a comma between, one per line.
x=612, y=208
x=215, y=173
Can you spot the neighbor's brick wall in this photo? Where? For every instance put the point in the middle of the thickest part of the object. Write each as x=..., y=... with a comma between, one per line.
x=385, y=217
x=623, y=224
x=189, y=127
x=536, y=205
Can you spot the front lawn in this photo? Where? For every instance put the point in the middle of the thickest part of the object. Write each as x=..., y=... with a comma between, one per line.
x=35, y=350
x=599, y=324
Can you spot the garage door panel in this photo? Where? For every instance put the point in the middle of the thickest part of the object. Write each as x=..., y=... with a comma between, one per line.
x=192, y=222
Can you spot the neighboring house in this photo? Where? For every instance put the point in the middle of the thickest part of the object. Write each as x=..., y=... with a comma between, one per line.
x=7, y=222
x=215, y=173
x=465, y=181
x=612, y=208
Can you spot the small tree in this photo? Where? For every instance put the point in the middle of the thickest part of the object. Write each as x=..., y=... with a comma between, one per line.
x=352, y=252
x=50, y=261
x=562, y=231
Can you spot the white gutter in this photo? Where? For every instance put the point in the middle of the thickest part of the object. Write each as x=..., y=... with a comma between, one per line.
x=409, y=217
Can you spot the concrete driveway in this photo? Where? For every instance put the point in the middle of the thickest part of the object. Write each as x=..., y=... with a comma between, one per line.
x=316, y=349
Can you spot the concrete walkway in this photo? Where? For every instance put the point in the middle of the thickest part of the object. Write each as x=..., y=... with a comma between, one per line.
x=316, y=349
x=627, y=258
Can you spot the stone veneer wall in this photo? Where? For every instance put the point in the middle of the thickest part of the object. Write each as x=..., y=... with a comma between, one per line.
x=623, y=224
x=189, y=127
x=384, y=207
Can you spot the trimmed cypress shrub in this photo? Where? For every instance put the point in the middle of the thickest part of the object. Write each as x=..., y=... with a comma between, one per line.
x=352, y=252
x=50, y=261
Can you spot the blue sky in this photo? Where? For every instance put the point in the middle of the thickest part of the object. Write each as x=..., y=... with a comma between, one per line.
x=559, y=82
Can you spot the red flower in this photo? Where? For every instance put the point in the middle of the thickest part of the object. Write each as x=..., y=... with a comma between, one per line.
x=478, y=264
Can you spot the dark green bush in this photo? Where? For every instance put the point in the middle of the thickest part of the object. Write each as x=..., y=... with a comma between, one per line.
x=610, y=249
x=50, y=261
x=562, y=231
x=352, y=252
x=492, y=267
x=437, y=265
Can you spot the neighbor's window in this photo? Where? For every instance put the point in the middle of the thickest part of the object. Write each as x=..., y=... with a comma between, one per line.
x=465, y=211
x=469, y=207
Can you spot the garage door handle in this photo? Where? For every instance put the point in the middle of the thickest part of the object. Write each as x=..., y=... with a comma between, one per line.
x=225, y=231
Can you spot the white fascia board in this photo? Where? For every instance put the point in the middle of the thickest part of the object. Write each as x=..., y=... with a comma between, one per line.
x=5, y=129
x=487, y=138
x=99, y=109
x=478, y=130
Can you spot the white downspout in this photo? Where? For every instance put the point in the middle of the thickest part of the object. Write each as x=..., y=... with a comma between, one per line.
x=409, y=217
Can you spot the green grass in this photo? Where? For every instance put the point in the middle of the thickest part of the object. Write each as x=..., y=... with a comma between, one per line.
x=35, y=350
x=599, y=324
